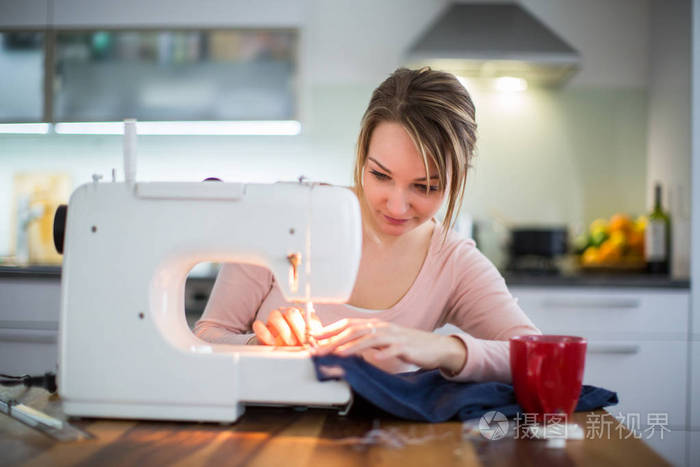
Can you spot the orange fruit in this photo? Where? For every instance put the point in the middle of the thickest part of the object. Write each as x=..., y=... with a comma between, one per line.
x=610, y=252
x=635, y=241
x=590, y=256
x=618, y=239
x=620, y=222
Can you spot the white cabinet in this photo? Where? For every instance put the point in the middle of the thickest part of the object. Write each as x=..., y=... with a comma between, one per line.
x=648, y=376
x=695, y=385
x=25, y=13
x=694, y=451
x=607, y=313
x=29, y=313
x=178, y=13
x=637, y=347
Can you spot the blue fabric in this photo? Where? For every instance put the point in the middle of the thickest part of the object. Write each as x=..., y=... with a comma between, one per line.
x=427, y=396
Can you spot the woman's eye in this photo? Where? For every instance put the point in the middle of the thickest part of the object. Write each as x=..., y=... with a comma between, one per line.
x=379, y=175
x=424, y=188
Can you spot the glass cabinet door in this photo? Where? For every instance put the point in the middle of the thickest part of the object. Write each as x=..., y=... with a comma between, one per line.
x=175, y=75
x=21, y=76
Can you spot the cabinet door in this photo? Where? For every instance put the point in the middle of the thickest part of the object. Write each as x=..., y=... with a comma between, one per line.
x=29, y=300
x=22, y=65
x=694, y=451
x=28, y=351
x=695, y=386
x=648, y=376
x=29, y=315
x=607, y=313
x=171, y=74
x=25, y=14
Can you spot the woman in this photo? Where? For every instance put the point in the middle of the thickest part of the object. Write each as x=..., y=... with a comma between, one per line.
x=415, y=144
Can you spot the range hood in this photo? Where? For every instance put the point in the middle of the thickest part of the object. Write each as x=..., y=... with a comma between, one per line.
x=494, y=40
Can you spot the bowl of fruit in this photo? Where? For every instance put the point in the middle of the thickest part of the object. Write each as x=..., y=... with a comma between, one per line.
x=615, y=244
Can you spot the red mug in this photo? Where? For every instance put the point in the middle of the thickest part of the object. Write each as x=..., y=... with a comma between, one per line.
x=547, y=374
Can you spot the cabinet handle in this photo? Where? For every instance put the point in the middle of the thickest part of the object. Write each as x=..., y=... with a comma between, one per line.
x=613, y=348
x=29, y=335
x=626, y=303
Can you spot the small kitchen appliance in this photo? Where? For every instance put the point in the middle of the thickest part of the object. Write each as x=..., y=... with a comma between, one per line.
x=537, y=250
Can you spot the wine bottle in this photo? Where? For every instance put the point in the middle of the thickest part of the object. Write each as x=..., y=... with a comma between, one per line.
x=657, y=244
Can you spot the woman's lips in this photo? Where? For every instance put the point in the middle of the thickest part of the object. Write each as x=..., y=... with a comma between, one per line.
x=393, y=221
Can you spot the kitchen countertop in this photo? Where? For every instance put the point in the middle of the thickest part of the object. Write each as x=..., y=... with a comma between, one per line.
x=595, y=280
x=290, y=437
x=512, y=279
x=46, y=272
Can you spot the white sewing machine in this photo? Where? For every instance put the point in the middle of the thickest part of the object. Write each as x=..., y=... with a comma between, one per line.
x=125, y=349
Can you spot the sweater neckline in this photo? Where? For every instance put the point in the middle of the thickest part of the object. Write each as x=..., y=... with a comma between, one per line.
x=413, y=289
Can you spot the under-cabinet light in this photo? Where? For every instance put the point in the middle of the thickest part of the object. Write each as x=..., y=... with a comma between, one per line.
x=24, y=128
x=252, y=128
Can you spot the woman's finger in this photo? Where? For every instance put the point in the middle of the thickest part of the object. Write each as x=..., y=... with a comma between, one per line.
x=357, y=346
x=262, y=333
x=391, y=351
x=316, y=324
x=333, y=329
x=354, y=332
x=284, y=332
x=296, y=322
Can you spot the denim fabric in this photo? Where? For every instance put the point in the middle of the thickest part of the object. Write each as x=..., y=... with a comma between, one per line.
x=425, y=395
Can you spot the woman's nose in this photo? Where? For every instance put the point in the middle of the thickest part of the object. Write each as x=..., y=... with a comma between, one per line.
x=397, y=202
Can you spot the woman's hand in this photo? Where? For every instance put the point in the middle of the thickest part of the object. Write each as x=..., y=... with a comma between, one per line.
x=424, y=349
x=285, y=327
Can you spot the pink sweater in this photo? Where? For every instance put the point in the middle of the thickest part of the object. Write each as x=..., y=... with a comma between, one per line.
x=457, y=284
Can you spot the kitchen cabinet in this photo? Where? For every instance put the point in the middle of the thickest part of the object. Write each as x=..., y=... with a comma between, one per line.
x=637, y=341
x=150, y=75
x=695, y=385
x=169, y=74
x=694, y=451
x=29, y=313
x=213, y=13
x=608, y=313
x=27, y=13
x=637, y=346
x=22, y=65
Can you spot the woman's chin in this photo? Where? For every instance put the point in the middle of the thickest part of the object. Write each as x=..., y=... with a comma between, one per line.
x=396, y=230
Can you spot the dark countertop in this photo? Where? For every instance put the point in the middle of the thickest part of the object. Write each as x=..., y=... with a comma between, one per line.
x=639, y=280
x=512, y=279
x=34, y=271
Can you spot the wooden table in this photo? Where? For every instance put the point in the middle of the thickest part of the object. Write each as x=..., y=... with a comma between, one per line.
x=288, y=437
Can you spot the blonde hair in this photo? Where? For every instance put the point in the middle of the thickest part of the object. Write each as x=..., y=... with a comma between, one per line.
x=438, y=114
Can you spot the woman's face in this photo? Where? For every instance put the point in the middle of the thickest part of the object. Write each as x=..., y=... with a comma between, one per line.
x=395, y=184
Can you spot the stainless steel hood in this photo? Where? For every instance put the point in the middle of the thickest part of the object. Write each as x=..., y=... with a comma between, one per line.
x=492, y=40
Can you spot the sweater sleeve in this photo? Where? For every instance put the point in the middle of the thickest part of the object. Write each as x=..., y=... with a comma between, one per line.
x=481, y=305
x=237, y=294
